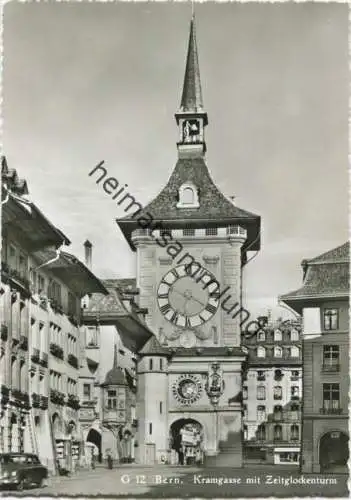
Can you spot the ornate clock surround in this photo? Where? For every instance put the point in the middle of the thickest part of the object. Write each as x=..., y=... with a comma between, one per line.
x=187, y=389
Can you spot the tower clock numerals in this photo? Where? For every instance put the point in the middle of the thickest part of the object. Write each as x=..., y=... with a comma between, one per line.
x=210, y=308
x=165, y=308
x=174, y=318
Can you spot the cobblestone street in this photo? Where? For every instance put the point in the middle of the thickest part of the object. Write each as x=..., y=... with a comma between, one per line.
x=177, y=482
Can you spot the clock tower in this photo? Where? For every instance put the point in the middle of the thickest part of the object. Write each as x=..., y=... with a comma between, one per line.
x=191, y=243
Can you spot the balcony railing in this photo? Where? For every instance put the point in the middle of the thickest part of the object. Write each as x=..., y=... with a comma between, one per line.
x=236, y=230
x=331, y=368
x=56, y=306
x=330, y=411
x=4, y=332
x=23, y=343
x=57, y=397
x=21, y=397
x=15, y=276
x=72, y=360
x=56, y=350
x=35, y=400
x=73, y=402
x=44, y=360
x=35, y=356
x=44, y=401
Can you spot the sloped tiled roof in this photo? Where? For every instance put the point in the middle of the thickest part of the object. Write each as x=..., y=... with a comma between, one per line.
x=213, y=204
x=341, y=252
x=153, y=346
x=112, y=302
x=325, y=276
x=123, y=284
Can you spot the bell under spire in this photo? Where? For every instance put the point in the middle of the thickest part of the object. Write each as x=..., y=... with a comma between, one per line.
x=191, y=118
x=192, y=94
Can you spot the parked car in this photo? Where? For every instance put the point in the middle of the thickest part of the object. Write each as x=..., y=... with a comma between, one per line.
x=21, y=470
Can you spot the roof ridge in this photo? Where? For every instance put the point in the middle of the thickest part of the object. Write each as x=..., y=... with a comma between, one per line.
x=339, y=253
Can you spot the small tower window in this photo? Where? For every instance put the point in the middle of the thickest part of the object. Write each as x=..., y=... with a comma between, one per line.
x=188, y=196
x=161, y=365
x=150, y=428
x=150, y=364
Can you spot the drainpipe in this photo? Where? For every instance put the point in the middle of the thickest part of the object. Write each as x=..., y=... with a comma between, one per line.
x=57, y=256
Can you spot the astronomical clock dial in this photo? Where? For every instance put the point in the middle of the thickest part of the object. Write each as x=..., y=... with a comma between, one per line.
x=187, y=389
x=187, y=296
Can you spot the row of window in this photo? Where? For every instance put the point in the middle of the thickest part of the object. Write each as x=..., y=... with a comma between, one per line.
x=278, y=375
x=16, y=259
x=116, y=399
x=261, y=433
x=278, y=351
x=72, y=387
x=57, y=336
x=159, y=367
x=277, y=412
x=277, y=392
x=57, y=382
x=278, y=335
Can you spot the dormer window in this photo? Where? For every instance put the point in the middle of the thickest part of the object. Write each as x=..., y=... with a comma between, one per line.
x=188, y=196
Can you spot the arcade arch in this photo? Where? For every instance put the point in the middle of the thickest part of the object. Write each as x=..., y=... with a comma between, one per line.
x=187, y=439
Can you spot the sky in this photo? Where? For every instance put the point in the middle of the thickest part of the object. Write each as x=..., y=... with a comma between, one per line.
x=85, y=82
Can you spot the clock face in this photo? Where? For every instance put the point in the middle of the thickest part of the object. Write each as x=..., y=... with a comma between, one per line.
x=187, y=299
x=187, y=389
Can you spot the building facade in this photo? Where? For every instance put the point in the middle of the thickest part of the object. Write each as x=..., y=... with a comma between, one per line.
x=191, y=243
x=41, y=290
x=108, y=397
x=272, y=394
x=323, y=301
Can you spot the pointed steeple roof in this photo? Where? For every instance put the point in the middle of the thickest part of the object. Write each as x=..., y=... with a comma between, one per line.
x=192, y=95
x=116, y=376
x=153, y=347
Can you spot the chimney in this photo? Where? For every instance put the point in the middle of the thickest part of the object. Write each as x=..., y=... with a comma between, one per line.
x=88, y=253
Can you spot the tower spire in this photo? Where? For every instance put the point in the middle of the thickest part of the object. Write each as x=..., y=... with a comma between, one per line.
x=191, y=118
x=192, y=94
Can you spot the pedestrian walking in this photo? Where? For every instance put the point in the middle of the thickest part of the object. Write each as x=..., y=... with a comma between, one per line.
x=109, y=460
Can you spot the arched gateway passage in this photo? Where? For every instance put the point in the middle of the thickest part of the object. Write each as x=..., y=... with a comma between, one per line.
x=95, y=437
x=334, y=452
x=186, y=438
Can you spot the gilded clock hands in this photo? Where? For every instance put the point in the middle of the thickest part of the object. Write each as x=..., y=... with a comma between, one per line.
x=198, y=301
x=185, y=303
x=189, y=296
